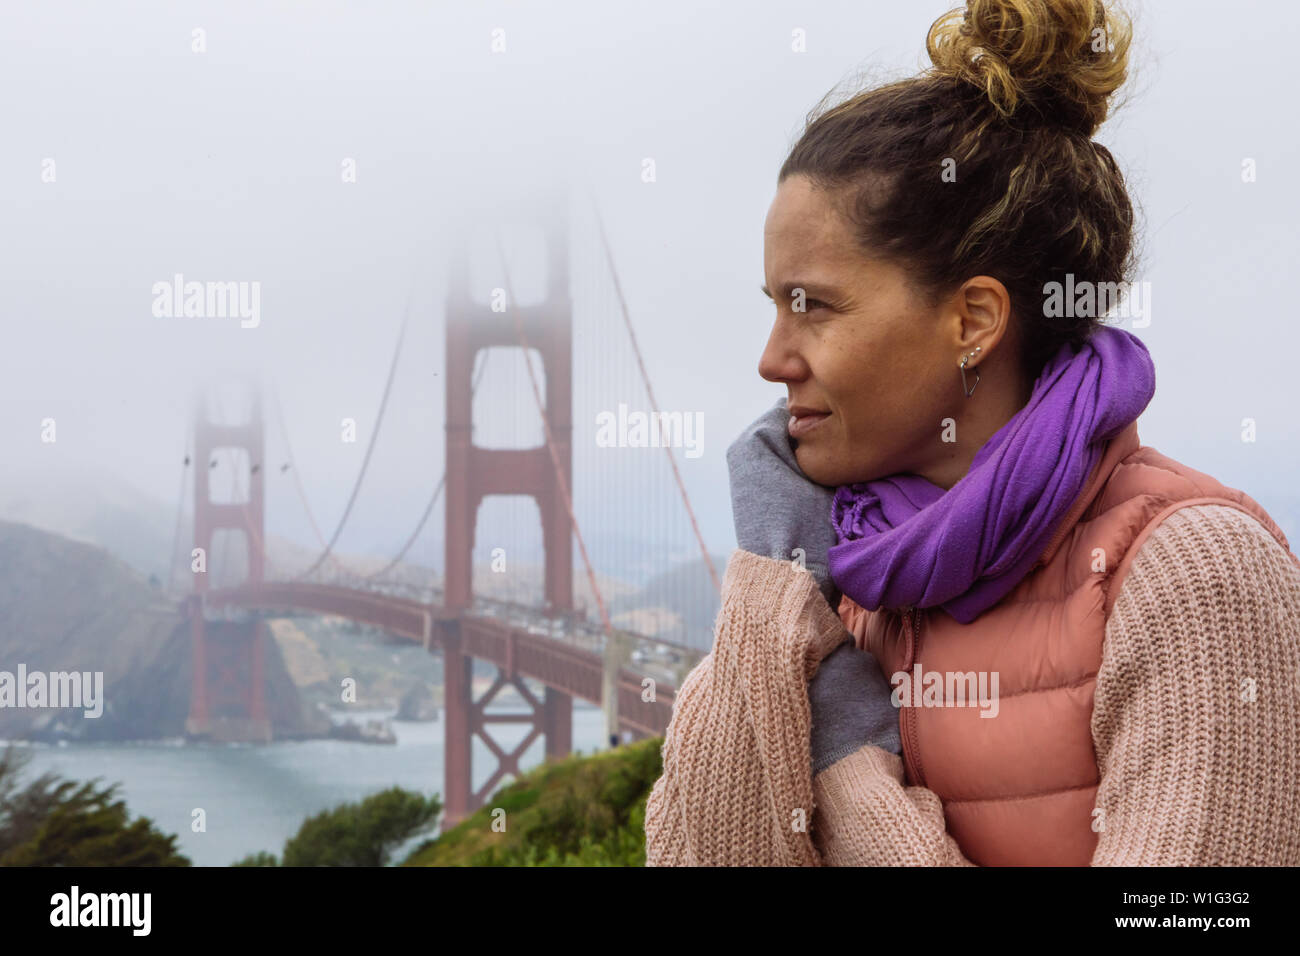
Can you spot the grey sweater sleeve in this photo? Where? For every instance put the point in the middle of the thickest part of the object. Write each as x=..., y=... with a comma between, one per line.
x=851, y=707
x=778, y=511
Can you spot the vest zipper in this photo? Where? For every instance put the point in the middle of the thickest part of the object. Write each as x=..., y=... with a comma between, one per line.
x=908, y=721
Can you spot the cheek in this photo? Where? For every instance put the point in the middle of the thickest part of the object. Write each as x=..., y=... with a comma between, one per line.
x=888, y=399
x=872, y=381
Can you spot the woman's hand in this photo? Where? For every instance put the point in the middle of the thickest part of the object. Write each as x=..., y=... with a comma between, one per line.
x=779, y=512
x=851, y=707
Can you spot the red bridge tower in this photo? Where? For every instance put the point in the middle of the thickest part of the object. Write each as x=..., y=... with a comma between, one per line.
x=473, y=473
x=228, y=695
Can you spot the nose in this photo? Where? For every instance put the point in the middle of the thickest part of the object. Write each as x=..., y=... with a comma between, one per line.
x=781, y=361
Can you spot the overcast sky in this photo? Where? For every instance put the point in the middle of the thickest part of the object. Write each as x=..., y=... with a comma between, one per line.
x=229, y=164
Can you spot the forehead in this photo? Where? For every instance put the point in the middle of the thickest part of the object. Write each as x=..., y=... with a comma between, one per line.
x=803, y=229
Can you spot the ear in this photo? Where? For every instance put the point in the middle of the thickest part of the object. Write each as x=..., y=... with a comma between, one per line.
x=983, y=307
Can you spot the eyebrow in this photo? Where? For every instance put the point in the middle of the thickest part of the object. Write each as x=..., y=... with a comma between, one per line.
x=812, y=290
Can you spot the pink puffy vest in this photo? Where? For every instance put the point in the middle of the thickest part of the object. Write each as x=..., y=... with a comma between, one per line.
x=1019, y=788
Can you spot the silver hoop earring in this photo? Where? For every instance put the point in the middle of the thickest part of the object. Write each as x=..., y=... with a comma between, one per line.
x=966, y=358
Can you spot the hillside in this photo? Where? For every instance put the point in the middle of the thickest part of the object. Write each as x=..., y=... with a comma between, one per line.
x=70, y=606
x=578, y=811
x=679, y=604
x=99, y=509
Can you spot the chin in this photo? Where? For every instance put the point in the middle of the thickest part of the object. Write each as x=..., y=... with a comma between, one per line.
x=832, y=469
x=816, y=467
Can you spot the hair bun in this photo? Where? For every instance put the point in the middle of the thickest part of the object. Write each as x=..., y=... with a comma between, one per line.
x=1060, y=58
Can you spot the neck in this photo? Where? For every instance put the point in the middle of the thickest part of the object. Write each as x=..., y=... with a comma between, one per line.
x=974, y=427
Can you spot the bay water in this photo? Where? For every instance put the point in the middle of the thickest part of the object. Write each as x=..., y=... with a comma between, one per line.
x=255, y=796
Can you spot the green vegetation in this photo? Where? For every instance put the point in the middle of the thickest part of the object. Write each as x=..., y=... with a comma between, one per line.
x=578, y=811
x=357, y=834
x=55, y=822
x=260, y=858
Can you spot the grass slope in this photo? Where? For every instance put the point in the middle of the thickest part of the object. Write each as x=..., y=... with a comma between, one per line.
x=577, y=811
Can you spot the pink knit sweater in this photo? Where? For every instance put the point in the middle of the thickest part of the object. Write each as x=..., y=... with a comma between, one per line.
x=1196, y=722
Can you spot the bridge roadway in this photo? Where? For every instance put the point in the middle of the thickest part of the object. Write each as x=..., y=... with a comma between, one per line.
x=561, y=651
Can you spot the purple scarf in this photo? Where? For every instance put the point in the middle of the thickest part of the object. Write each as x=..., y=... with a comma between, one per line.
x=905, y=542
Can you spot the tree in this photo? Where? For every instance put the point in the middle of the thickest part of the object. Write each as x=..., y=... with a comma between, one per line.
x=260, y=858
x=362, y=834
x=56, y=822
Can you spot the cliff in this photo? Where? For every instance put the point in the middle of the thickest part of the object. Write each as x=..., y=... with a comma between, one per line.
x=70, y=606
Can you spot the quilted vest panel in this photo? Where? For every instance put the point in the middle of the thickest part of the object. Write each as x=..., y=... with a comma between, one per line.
x=1018, y=785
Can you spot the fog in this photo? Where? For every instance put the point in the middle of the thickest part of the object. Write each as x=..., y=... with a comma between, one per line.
x=130, y=158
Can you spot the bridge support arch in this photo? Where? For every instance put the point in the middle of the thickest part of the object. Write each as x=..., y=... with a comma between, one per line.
x=550, y=717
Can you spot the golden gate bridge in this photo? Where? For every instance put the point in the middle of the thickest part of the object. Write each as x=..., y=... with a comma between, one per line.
x=583, y=650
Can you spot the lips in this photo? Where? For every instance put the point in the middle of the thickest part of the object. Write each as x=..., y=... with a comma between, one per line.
x=804, y=419
x=801, y=411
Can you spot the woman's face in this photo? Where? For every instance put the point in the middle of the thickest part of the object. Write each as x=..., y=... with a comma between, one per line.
x=868, y=354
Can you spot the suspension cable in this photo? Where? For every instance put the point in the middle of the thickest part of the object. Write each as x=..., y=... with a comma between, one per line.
x=180, y=512
x=645, y=376
x=550, y=445
x=298, y=482
x=433, y=499
x=370, y=447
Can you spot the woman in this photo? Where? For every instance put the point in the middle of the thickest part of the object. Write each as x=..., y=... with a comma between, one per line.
x=1094, y=650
